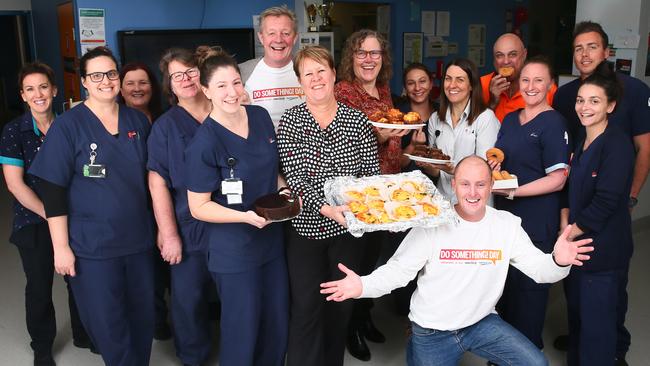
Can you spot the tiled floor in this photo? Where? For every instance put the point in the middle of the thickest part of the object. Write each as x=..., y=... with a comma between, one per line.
x=15, y=351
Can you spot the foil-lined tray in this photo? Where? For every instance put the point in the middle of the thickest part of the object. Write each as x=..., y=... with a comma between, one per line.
x=392, y=202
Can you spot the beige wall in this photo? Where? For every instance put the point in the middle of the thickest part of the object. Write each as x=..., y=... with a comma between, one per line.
x=12, y=5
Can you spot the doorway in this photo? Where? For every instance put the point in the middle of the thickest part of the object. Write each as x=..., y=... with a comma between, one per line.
x=14, y=37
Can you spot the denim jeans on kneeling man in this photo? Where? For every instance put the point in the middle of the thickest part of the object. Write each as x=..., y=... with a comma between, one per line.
x=491, y=338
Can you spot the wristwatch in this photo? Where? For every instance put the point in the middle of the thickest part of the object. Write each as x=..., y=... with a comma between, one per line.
x=632, y=202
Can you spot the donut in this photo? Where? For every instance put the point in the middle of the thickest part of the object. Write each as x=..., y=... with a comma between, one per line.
x=495, y=154
x=371, y=191
x=496, y=175
x=506, y=175
x=506, y=71
x=412, y=118
x=384, y=218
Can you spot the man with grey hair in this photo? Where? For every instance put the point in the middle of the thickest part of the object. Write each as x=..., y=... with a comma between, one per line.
x=270, y=80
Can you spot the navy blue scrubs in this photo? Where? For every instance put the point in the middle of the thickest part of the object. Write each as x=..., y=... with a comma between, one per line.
x=110, y=228
x=599, y=187
x=531, y=151
x=190, y=278
x=632, y=116
x=20, y=142
x=246, y=263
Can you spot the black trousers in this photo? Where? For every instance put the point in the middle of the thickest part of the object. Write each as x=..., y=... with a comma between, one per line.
x=35, y=247
x=372, y=247
x=317, y=328
x=162, y=284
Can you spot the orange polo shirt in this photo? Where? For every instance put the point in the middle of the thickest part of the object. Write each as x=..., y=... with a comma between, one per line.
x=507, y=104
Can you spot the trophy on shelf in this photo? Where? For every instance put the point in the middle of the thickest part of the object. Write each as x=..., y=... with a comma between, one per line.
x=324, y=12
x=311, y=10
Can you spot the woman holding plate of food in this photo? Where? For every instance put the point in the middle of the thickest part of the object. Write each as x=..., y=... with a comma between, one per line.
x=462, y=126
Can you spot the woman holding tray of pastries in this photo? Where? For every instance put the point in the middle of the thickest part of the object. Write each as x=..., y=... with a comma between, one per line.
x=462, y=126
x=231, y=162
x=364, y=74
x=318, y=140
x=534, y=141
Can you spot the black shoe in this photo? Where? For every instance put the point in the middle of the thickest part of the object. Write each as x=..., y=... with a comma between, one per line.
x=620, y=361
x=357, y=346
x=561, y=343
x=162, y=332
x=85, y=343
x=43, y=359
x=371, y=332
x=489, y=363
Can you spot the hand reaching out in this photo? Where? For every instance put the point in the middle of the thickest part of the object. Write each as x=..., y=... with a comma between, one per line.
x=346, y=288
x=569, y=252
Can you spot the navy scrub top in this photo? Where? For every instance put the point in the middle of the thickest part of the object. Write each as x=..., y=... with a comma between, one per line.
x=531, y=152
x=21, y=140
x=237, y=247
x=169, y=137
x=632, y=113
x=107, y=217
x=599, y=187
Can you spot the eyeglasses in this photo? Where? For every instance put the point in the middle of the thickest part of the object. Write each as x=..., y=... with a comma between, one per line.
x=374, y=54
x=178, y=76
x=97, y=77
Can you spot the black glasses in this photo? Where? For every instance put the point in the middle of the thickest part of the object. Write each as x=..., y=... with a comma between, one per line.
x=374, y=54
x=97, y=77
x=178, y=76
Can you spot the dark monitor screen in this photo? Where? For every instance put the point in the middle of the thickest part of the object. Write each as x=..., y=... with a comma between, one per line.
x=147, y=46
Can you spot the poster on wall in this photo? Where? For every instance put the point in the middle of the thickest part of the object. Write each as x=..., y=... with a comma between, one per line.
x=412, y=51
x=92, y=31
x=442, y=23
x=428, y=22
x=476, y=35
x=477, y=55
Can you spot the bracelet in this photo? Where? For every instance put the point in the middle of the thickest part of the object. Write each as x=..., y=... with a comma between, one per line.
x=556, y=263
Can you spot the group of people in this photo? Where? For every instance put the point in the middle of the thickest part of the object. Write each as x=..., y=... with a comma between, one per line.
x=114, y=185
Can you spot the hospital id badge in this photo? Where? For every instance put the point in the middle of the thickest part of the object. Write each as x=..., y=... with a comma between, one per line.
x=232, y=186
x=94, y=170
x=234, y=199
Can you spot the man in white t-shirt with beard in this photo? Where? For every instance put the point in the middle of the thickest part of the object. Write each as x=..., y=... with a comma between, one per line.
x=270, y=81
x=463, y=270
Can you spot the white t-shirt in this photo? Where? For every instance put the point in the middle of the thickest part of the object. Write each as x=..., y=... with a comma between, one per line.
x=463, y=267
x=462, y=141
x=275, y=89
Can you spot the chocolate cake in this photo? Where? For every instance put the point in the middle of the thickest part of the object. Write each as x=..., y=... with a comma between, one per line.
x=430, y=152
x=277, y=207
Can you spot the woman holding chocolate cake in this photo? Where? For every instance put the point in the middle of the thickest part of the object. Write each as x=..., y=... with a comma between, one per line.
x=231, y=162
x=462, y=126
x=318, y=140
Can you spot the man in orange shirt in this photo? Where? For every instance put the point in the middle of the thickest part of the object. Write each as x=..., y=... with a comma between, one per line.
x=501, y=88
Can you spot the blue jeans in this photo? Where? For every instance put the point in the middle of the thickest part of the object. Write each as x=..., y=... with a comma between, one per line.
x=490, y=338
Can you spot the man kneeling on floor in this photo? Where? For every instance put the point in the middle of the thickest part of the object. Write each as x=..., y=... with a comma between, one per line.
x=462, y=273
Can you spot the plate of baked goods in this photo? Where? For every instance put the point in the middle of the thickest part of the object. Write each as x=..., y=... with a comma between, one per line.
x=393, y=202
x=395, y=119
x=427, y=154
x=278, y=207
x=502, y=178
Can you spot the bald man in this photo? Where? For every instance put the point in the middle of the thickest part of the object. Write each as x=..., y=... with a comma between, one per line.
x=462, y=270
x=501, y=92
